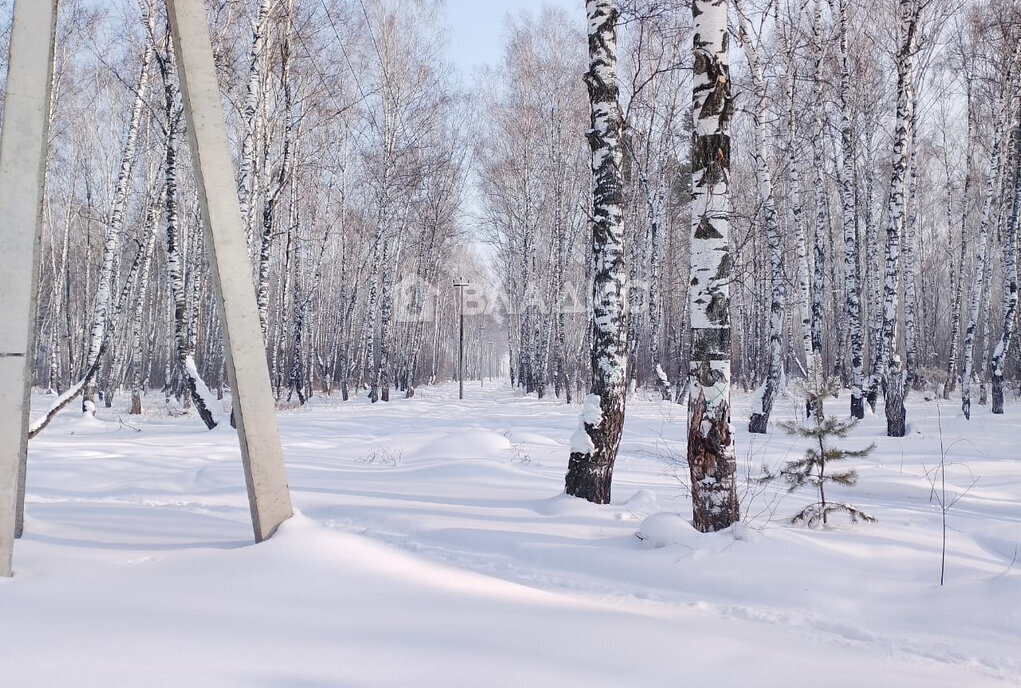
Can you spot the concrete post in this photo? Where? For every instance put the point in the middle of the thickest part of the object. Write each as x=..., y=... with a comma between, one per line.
x=22, y=166
x=247, y=370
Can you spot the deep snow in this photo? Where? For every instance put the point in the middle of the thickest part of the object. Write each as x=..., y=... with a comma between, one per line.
x=433, y=548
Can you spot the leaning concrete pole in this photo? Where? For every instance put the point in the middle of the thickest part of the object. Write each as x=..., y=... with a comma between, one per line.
x=22, y=166
x=247, y=371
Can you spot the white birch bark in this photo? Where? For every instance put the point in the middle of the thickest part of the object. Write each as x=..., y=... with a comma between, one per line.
x=886, y=354
x=986, y=320
x=184, y=351
x=59, y=270
x=957, y=274
x=383, y=376
x=594, y=445
x=852, y=284
x=711, y=457
x=993, y=182
x=253, y=124
x=821, y=219
x=283, y=174
x=656, y=216
x=797, y=212
x=60, y=298
x=911, y=260
x=101, y=322
x=766, y=395
x=137, y=349
x=1010, y=296
x=873, y=276
x=561, y=221
x=299, y=299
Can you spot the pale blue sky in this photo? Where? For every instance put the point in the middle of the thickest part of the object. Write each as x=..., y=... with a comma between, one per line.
x=476, y=27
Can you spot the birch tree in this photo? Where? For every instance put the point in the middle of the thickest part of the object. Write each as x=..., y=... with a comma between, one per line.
x=594, y=445
x=887, y=357
x=137, y=342
x=910, y=258
x=787, y=34
x=852, y=280
x=184, y=349
x=1010, y=279
x=762, y=406
x=253, y=126
x=711, y=457
x=821, y=212
x=961, y=249
x=993, y=183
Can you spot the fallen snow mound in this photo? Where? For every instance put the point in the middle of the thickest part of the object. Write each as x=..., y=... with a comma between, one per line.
x=467, y=444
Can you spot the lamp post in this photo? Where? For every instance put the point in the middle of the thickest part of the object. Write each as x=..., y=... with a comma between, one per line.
x=482, y=351
x=460, y=283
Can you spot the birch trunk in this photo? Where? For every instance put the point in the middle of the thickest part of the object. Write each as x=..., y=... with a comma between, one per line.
x=299, y=300
x=561, y=385
x=175, y=265
x=766, y=395
x=852, y=284
x=797, y=213
x=281, y=182
x=886, y=354
x=711, y=457
x=57, y=300
x=1010, y=278
x=367, y=349
x=102, y=320
x=58, y=288
x=958, y=273
x=594, y=444
x=873, y=276
x=821, y=219
x=247, y=172
x=986, y=319
x=382, y=376
x=992, y=184
x=910, y=270
x=137, y=351
x=656, y=204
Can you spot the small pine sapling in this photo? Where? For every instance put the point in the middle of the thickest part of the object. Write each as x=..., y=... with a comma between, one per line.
x=814, y=468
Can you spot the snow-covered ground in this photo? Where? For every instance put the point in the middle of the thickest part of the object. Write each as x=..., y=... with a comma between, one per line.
x=433, y=548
